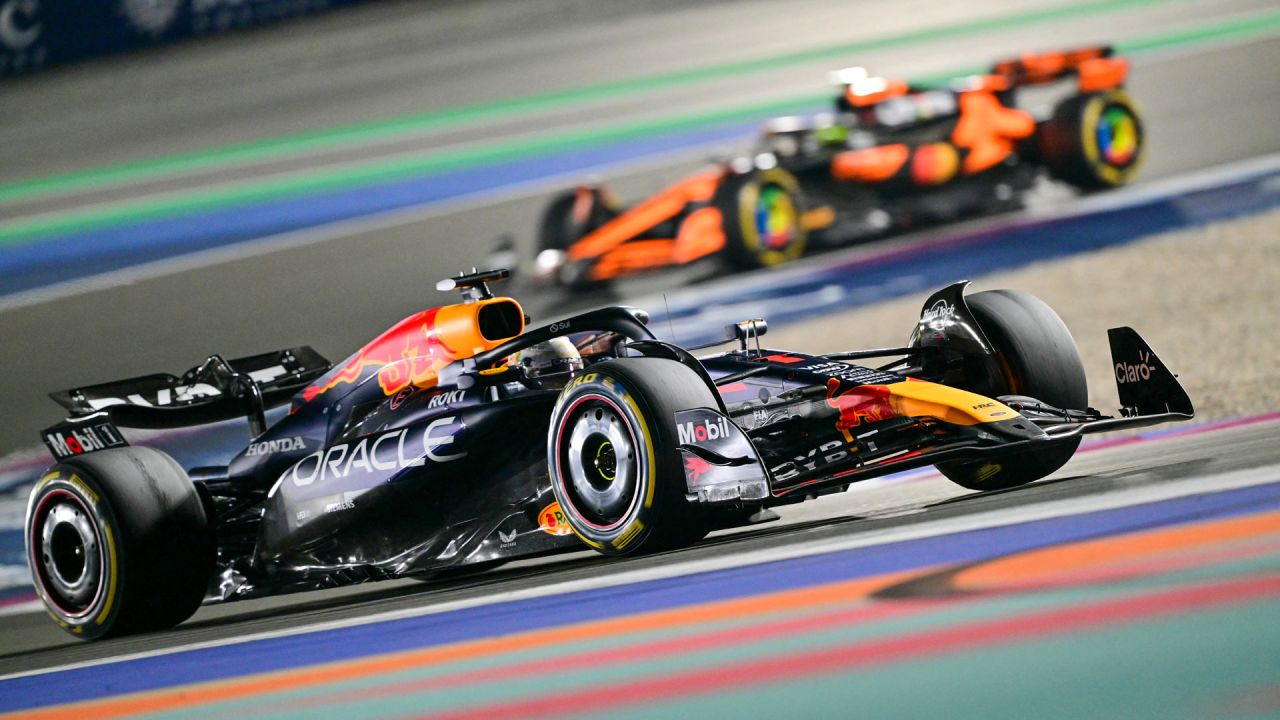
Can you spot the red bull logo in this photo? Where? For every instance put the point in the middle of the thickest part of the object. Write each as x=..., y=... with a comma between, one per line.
x=864, y=403
x=694, y=468
x=409, y=354
x=551, y=520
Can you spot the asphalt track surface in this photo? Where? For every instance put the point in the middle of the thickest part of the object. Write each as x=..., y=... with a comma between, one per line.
x=1204, y=107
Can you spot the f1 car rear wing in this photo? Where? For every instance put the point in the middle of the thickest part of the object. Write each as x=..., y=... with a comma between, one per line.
x=1095, y=68
x=213, y=391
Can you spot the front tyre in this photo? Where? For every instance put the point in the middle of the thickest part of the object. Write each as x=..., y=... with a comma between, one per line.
x=118, y=543
x=1037, y=358
x=762, y=215
x=567, y=219
x=613, y=455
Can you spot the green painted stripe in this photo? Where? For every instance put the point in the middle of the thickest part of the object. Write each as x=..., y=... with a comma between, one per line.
x=558, y=99
x=439, y=162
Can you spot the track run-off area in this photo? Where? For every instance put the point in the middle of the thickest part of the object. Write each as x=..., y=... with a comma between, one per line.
x=320, y=202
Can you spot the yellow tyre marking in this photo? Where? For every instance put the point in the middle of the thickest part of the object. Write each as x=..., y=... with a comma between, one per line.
x=988, y=471
x=648, y=449
x=111, y=582
x=84, y=488
x=628, y=535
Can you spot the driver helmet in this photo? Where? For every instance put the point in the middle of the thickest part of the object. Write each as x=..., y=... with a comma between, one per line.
x=549, y=365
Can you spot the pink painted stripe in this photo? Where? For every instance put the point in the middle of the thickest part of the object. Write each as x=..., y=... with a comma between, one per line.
x=864, y=613
x=1182, y=431
x=1091, y=445
x=18, y=599
x=877, y=652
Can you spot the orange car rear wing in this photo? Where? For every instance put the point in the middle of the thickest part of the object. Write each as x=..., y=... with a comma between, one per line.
x=1095, y=67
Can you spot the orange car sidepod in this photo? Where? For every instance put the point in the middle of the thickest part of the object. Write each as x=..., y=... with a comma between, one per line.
x=633, y=256
x=988, y=130
x=871, y=165
x=644, y=216
x=701, y=234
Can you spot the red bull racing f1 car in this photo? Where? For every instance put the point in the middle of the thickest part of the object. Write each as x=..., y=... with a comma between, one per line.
x=891, y=156
x=460, y=438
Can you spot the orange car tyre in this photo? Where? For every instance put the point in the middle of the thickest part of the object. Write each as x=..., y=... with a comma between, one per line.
x=762, y=214
x=118, y=542
x=1037, y=358
x=1094, y=141
x=614, y=460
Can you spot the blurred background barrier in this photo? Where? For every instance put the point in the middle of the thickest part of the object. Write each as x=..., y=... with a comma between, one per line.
x=35, y=34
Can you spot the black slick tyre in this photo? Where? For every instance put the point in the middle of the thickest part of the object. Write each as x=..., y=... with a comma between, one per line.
x=118, y=543
x=1037, y=358
x=1094, y=141
x=613, y=455
x=762, y=215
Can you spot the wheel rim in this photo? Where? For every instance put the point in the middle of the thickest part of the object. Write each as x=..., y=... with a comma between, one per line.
x=1117, y=136
x=599, y=463
x=67, y=553
x=775, y=216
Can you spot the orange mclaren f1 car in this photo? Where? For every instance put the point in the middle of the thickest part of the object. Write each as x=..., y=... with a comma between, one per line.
x=890, y=156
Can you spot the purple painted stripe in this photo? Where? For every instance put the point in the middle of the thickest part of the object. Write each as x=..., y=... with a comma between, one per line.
x=514, y=617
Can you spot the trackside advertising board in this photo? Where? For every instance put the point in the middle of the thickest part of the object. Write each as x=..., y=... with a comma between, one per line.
x=35, y=34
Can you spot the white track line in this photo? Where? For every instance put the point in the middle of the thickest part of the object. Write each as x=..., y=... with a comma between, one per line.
x=949, y=526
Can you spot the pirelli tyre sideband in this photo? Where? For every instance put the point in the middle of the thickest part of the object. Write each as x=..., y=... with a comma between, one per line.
x=118, y=542
x=1094, y=141
x=613, y=456
x=761, y=213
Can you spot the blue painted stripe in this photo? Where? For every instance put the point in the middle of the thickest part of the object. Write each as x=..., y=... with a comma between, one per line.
x=521, y=616
x=64, y=257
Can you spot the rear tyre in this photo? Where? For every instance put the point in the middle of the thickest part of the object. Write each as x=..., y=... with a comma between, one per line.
x=1037, y=358
x=614, y=460
x=1094, y=141
x=762, y=214
x=118, y=543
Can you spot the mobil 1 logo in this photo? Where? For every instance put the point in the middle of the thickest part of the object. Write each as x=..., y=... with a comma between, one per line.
x=67, y=442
